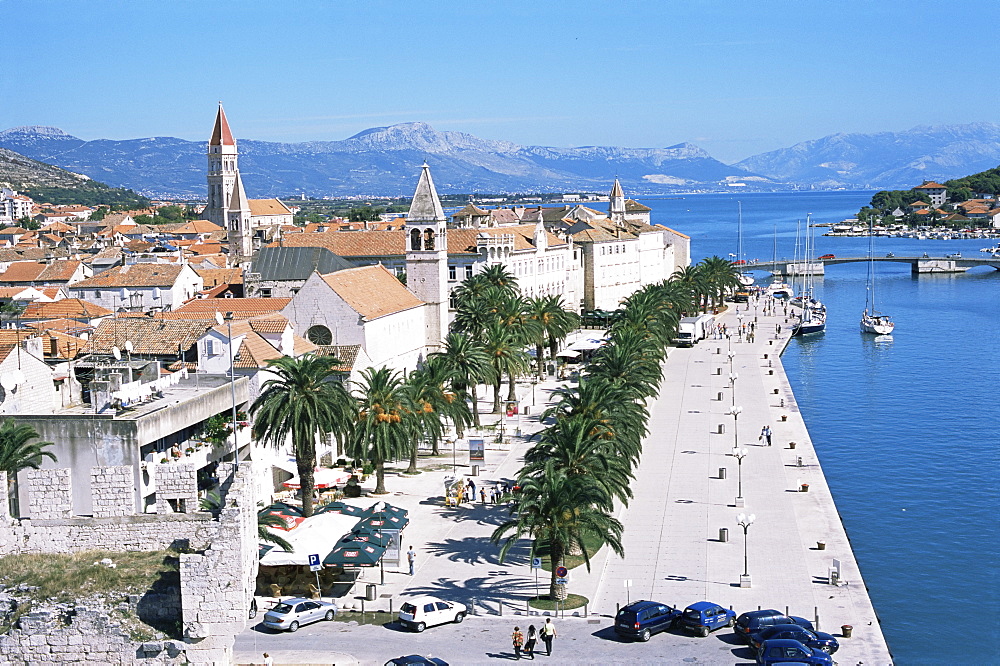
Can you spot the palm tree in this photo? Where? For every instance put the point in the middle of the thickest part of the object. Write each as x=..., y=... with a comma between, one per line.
x=385, y=426
x=693, y=278
x=506, y=356
x=499, y=276
x=723, y=277
x=18, y=451
x=469, y=365
x=513, y=312
x=266, y=521
x=305, y=401
x=580, y=446
x=431, y=400
x=554, y=324
x=564, y=513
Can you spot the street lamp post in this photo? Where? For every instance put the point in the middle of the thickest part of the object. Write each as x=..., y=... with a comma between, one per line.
x=745, y=521
x=740, y=454
x=732, y=385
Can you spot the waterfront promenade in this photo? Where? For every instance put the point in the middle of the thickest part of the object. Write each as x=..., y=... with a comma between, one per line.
x=673, y=552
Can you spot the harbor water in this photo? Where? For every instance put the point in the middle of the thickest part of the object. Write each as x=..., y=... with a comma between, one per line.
x=907, y=426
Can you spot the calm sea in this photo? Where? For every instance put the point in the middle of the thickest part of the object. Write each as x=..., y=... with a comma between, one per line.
x=907, y=426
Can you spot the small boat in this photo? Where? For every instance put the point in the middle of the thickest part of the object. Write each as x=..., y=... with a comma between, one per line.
x=873, y=321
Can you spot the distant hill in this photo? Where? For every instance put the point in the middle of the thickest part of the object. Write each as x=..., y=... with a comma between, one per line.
x=381, y=160
x=51, y=184
x=20, y=172
x=885, y=160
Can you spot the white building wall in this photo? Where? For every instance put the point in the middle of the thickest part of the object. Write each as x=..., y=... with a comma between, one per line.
x=37, y=393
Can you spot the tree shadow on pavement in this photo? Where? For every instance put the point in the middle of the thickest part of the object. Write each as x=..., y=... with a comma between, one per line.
x=477, y=550
x=474, y=591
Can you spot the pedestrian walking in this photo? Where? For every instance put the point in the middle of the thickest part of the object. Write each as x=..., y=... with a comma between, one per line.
x=529, y=645
x=548, y=633
x=472, y=485
x=411, y=557
x=767, y=434
x=268, y=660
x=482, y=494
x=518, y=639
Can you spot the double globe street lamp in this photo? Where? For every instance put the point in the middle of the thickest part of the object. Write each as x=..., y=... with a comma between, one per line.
x=745, y=522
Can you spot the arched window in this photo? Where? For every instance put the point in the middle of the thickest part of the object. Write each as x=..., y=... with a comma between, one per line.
x=415, y=239
x=429, y=239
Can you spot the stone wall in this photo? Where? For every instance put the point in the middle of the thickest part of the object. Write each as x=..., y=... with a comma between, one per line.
x=176, y=488
x=111, y=491
x=85, y=637
x=51, y=493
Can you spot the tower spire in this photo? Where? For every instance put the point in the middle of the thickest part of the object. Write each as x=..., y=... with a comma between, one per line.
x=616, y=204
x=221, y=134
x=426, y=206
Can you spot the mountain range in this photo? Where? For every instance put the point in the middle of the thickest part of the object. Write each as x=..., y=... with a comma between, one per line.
x=384, y=161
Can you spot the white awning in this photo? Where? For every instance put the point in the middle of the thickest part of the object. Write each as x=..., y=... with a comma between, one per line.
x=587, y=344
x=568, y=353
x=322, y=478
x=315, y=535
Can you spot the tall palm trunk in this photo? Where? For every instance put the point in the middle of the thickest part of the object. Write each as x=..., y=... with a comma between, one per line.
x=540, y=358
x=512, y=392
x=380, y=478
x=496, y=394
x=412, y=469
x=305, y=465
x=475, y=406
x=556, y=591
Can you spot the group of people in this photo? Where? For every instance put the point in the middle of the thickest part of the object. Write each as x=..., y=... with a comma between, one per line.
x=487, y=495
x=547, y=633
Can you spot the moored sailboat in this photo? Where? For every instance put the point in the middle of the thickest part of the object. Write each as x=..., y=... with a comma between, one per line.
x=873, y=321
x=813, y=316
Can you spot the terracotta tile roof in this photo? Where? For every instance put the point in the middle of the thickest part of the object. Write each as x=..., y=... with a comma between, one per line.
x=205, y=248
x=372, y=291
x=633, y=206
x=268, y=207
x=30, y=271
x=350, y=243
x=66, y=308
x=346, y=354
x=13, y=231
x=673, y=231
x=59, y=345
x=269, y=324
x=930, y=185
x=242, y=308
x=149, y=337
x=136, y=275
x=255, y=352
x=217, y=276
x=197, y=227
x=12, y=336
x=68, y=326
x=301, y=346
x=57, y=226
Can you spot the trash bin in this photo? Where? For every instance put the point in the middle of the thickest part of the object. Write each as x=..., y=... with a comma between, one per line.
x=370, y=592
x=821, y=545
x=475, y=470
x=722, y=472
x=846, y=630
x=723, y=534
x=804, y=487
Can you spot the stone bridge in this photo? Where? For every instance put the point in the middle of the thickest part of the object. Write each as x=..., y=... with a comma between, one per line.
x=919, y=265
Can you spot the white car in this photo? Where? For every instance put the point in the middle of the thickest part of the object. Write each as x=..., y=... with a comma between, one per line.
x=423, y=612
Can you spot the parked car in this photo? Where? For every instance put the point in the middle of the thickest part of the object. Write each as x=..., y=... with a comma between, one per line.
x=416, y=660
x=291, y=614
x=642, y=619
x=814, y=639
x=827, y=256
x=784, y=651
x=953, y=255
x=422, y=612
x=705, y=617
x=750, y=623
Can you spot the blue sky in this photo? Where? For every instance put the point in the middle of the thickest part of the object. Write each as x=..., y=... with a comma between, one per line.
x=734, y=77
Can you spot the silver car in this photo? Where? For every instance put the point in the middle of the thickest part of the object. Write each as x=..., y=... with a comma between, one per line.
x=290, y=614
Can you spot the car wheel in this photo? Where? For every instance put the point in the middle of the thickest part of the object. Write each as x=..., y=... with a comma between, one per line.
x=703, y=631
x=644, y=636
x=419, y=626
x=731, y=623
x=293, y=627
x=459, y=617
x=329, y=615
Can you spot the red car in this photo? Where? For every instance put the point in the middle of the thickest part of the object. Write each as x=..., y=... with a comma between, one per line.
x=828, y=256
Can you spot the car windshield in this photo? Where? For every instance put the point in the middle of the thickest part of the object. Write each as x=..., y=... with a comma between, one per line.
x=408, y=608
x=282, y=609
x=628, y=616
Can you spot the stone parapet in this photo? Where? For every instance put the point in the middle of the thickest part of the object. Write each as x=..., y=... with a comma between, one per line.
x=112, y=491
x=50, y=493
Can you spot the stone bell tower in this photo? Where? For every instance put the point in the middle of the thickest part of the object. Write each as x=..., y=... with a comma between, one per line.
x=427, y=256
x=227, y=202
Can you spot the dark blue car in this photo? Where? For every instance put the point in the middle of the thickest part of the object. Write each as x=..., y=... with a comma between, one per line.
x=814, y=639
x=642, y=619
x=752, y=622
x=705, y=617
x=784, y=650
